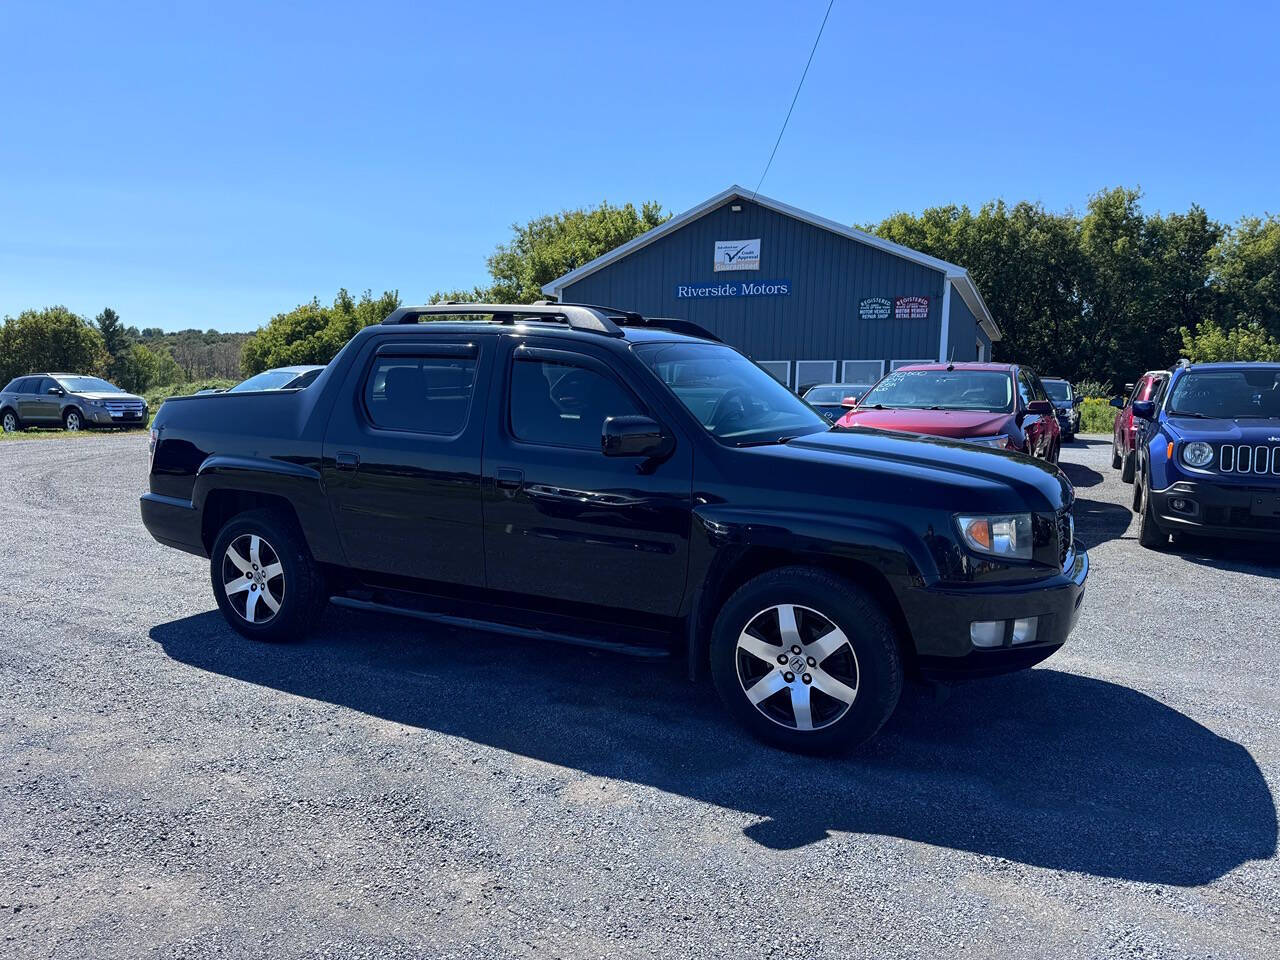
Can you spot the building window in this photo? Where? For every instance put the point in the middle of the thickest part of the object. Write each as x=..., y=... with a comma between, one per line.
x=862, y=373
x=810, y=372
x=895, y=364
x=780, y=370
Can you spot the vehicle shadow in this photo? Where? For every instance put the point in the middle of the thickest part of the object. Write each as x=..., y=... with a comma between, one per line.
x=1240, y=556
x=1043, y=767
x=1098, y=521
x=1080, y=475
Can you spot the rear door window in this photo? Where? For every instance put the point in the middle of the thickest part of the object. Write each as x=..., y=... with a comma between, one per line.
x=423, y=394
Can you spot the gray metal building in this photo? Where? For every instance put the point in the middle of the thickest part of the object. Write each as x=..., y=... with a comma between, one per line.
x=810, y=299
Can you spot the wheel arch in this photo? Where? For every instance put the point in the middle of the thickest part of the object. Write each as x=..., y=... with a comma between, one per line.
x=222, y=505
x=749, y=562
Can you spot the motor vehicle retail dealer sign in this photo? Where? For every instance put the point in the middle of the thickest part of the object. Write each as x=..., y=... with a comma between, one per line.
x=737, y=255
x=873, y=308
x=911, y=308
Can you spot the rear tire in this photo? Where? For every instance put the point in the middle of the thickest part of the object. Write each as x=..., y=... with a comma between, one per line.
x=1115, y=456
x=9, y=422
x=847, y=648
x=1149, y=533
x=266, y=583
x=1128, y=467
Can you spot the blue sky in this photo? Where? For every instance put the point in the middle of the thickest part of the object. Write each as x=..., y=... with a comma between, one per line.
x=210, y=165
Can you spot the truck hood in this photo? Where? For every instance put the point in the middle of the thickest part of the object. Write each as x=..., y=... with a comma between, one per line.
x=1224, y=431
x=939, y=461
x=938, y=423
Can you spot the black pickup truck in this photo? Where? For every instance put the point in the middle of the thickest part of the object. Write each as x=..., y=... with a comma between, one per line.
x=577, y=473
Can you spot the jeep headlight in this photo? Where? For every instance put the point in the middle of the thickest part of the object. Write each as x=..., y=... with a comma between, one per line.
x=1198, y=454
x=1007, y=536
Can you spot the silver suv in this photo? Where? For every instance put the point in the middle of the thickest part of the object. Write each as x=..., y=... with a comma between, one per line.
x=69, y=400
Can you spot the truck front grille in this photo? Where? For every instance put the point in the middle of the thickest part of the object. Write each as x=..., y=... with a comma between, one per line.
x=1246, y=458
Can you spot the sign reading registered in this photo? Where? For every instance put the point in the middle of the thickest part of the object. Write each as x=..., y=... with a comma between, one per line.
x=873, y=308
x=737, y=255
x=911, y=308
x=735, y=288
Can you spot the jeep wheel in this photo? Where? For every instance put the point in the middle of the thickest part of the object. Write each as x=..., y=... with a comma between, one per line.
x=806, y=661
x=71, y=420
x=266, y=583
x=1149, y=533
x=1127, y=468
x=9, y=421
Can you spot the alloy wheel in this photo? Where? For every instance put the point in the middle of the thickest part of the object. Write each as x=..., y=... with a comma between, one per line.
x=797, y=667
x=253, y=578
x=73, y=421
x=10, y=423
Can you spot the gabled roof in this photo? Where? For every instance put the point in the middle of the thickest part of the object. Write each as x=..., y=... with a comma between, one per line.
x=957, y=275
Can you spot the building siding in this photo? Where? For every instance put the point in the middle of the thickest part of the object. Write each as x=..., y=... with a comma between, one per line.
x=964, y=332
x=829, y=275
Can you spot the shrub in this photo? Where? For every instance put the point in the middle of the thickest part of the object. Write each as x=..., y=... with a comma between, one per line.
x=1097, y=416
x=1093, y=388
x=157, y=395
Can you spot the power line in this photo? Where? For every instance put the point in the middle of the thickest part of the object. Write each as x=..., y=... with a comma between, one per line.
x=799, y=86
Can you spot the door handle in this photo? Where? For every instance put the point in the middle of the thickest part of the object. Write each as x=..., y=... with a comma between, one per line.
x=509, y=481
x=347, y=461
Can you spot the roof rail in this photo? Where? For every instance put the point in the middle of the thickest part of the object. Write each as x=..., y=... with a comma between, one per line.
x=590, y=319
x=629, y=318
x=1183, y=362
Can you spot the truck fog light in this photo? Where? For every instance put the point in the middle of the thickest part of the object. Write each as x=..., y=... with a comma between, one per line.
x=1024, y=631
x=987, y=633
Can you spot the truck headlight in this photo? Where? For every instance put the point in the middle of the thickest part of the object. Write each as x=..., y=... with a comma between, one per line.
x=1198, y=454
x=1007, y=536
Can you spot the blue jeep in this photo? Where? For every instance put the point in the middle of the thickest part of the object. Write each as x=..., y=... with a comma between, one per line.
x=1209, y=454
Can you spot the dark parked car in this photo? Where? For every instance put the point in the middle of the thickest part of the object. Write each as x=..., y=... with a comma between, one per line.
x=278, y=378
x=1124, y=432
x=1067, y=405
x=1208, y=460
x=68, y=400
x=580, y=474
x=997, y=405
x=828, y=398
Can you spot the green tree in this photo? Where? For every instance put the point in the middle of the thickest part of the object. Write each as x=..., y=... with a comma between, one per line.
x=50, y=339
x=313, y=333
x=1209, y=342
x=549, y=247
x=141, y=368
x=1248, y=273
x=115, y=336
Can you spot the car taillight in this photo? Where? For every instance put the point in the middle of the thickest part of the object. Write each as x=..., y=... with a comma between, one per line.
x=151, y=447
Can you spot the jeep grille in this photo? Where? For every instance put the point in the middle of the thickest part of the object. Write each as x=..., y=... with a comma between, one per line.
x=1250, y=459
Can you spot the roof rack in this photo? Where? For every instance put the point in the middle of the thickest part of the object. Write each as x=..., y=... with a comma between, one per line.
x=629, y=318
x=590, y=319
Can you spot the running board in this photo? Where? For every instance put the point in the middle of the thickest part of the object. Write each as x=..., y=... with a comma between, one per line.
x=506, y=629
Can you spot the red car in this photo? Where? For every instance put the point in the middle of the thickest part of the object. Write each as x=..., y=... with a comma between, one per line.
x=1000, y=405
x=1123, y=435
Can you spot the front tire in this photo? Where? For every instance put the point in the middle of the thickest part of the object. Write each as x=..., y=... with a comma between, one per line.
x=71, y=420
x=266, y=583
x=1129, y=466
x=806, y=661
x=1115, y=456
x=1149, y=533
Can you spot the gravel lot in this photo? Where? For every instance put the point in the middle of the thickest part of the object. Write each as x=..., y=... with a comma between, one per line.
x=388, y=789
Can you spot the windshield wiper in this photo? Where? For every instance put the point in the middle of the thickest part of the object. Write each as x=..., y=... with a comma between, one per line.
x=1195, y=416
x=763, y=443
x=1257, y=416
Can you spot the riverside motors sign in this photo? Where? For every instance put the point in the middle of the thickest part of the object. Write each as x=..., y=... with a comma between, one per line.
x=733, y=288
x=737, y=255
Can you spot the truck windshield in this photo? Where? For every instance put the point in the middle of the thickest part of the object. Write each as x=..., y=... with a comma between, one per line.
x=735, y=400
x=1227, y=394
x=1058, y=390
x=943, y=390
x=87, y=385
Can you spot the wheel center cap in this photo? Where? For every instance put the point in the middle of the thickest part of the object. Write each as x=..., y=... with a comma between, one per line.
x=797, y=665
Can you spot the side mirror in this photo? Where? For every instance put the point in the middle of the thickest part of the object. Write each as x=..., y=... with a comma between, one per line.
x=1076, y=401
x=1118, y=402
x=1041, y=408
x=1144, y=409
x=632, y=436
x=849, y=403
x=54, y=391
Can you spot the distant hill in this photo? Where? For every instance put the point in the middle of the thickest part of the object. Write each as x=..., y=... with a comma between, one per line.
x=201, y=354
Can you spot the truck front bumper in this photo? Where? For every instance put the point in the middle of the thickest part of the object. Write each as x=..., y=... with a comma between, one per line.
x=980, y=631
x=1219, y=510
x=173, y=522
